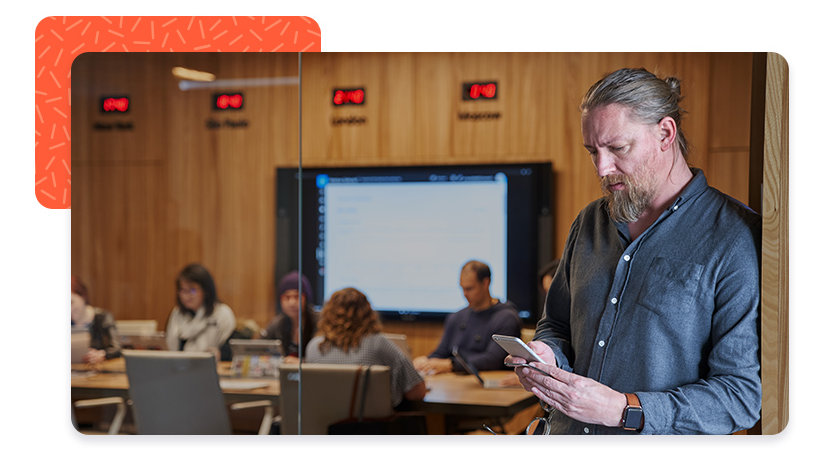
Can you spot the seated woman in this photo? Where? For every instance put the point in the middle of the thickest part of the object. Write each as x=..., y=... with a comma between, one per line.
x=199, y=322
x=104, y=340
x=285, y=324
x=350, y=333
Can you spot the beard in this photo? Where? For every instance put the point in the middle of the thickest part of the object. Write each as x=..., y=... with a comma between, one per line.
x=628, y=204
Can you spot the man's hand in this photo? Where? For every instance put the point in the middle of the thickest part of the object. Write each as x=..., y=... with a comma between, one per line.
x=539, y=348
x=578, y=397
x=433, y=365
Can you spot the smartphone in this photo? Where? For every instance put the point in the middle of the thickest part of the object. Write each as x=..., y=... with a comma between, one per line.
x=515, y=347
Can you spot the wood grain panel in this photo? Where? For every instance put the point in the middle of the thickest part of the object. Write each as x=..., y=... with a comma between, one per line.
x=729, y=103
x=775, y=249
x=172, y=190
x=727, y=171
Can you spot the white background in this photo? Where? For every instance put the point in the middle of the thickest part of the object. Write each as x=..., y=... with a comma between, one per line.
x=34, y=421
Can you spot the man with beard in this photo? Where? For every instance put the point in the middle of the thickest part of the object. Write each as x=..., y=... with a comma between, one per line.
x=651, y=321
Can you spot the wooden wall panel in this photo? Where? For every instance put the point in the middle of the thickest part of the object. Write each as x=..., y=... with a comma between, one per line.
x=775, y=285
x=728, y=153
x=171, y=190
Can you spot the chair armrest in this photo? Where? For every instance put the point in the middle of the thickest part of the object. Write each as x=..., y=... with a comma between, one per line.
x=98, y=402
x=121, y=410
x=266, y=422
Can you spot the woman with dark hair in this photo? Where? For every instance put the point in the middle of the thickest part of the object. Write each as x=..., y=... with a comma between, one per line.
x=104, y=340
x=350, y=333
x=285, y=324
x=199, y=322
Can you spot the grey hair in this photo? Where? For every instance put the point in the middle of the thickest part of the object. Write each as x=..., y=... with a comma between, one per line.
x=649, y=98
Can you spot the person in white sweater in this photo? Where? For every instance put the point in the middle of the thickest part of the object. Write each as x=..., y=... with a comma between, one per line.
x=199, y=321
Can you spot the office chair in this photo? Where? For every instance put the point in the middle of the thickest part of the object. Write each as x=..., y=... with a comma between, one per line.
x=326, y=391
x=175, y=392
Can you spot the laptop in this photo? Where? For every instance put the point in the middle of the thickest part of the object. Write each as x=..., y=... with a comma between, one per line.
x=79, y=344
x=145, y=341
x=469, y=368
x=255, y=357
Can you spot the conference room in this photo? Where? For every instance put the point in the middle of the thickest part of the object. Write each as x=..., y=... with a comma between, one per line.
x=303, y=174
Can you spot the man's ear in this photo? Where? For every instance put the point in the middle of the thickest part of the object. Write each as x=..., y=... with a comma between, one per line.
x=668, y=132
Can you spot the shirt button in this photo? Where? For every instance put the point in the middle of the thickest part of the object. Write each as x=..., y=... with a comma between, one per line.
x=613, y=300
x=675, y=208
x=601, y=343
x=586, y=430
x=627, y=258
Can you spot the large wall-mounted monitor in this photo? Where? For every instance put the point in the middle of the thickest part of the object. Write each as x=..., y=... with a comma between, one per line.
x=401, y=234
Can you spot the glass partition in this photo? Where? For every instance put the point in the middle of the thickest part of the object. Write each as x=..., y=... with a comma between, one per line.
x=413, y=164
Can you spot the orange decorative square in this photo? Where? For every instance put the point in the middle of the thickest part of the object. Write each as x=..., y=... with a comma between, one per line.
x=59, y=40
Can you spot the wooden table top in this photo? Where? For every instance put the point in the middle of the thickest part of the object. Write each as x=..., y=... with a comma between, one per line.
x=447, y=393
x=110, y=377
x=464, y=395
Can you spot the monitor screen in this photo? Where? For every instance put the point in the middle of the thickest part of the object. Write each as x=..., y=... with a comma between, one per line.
x=402, y=234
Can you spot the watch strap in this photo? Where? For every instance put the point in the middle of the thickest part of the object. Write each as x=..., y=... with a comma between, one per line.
x=632, y=414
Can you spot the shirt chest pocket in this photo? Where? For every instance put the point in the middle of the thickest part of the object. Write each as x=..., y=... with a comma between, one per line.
x=670, y=286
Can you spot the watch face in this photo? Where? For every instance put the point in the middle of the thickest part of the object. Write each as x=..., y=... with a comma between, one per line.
x=632, y=419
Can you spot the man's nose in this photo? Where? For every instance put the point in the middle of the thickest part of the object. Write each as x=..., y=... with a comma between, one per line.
x=604, y=162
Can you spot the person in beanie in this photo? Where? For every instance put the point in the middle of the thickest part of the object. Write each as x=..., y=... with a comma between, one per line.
x=291, y=302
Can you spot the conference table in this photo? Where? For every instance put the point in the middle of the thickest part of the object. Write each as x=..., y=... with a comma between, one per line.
x=450, y=397
x=109, y=379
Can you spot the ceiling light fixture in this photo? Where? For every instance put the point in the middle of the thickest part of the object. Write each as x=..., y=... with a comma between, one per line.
x=194, y=75
x=238, y=83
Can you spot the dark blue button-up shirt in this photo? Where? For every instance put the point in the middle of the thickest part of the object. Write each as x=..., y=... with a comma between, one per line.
x=671, y=316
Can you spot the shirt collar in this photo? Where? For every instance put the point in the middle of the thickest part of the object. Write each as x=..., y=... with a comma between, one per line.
x=696, y=186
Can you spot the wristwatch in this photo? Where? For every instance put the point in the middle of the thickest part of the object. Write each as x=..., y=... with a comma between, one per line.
x=632, y=414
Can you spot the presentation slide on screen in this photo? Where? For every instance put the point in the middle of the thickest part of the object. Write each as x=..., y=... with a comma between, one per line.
x=430, y=228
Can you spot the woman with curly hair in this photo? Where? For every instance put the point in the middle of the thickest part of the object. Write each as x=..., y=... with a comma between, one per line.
x=349, y=332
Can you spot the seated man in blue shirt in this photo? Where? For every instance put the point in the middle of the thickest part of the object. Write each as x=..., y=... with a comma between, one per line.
x=651, y=321
x=470, y=330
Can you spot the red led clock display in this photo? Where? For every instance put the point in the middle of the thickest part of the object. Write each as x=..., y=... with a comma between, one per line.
x=480, y=91
x=115, y=104
x=227, y=101
x=350, y=96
